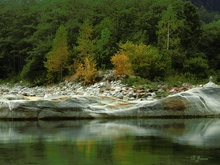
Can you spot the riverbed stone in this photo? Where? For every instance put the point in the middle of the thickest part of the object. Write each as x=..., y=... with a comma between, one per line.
x=106, y=99
x=174, y=104
x=200, y=101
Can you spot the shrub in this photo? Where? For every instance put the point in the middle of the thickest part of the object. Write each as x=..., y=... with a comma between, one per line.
x=122, y=64
x=86, y=71
x=146, y=61
x=135, y=81
x=34, y=71
x=178, y=78
x=197, y=66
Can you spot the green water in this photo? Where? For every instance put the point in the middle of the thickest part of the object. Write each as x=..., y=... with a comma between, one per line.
x=110, y=142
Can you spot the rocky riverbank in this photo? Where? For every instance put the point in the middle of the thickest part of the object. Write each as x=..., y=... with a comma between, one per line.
x=104, y=88
x=108, y=100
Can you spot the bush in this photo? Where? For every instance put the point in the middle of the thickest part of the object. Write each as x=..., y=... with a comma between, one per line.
x=146, y=61
x=216, y=76
x=177, y=79
x=34, y=71
x=86, y=71
x=135, y=81
x=122, y=64
x=197, y=66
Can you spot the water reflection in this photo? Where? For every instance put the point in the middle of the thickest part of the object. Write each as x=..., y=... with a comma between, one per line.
x=195, y=132
x=110, y=142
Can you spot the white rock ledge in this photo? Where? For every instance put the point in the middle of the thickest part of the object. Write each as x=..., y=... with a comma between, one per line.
x=196, y=102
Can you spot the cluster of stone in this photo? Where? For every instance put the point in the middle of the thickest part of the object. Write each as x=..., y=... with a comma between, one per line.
x=104, y=88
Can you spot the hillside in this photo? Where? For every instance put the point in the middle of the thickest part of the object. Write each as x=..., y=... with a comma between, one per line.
x=210, y=5
x=48, y=41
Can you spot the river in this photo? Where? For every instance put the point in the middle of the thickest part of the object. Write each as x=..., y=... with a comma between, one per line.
x=111, y=142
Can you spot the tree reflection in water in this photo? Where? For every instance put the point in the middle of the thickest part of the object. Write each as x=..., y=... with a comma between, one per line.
x=131, y=141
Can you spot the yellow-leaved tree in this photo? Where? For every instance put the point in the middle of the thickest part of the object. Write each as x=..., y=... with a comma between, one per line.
x=121, y=64
x=57, y=58
x=86, y=71
x=86, y=44
x=84, y=63
x=145, y=60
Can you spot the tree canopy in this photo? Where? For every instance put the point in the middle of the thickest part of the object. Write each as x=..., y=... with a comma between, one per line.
x=41, y=39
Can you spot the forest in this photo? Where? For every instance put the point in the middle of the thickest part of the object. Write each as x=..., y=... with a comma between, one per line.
x=47, y=41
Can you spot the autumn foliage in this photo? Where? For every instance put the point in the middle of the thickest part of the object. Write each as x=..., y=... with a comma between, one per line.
x=121, y=64
x=85, y=71
x=57, y=58
x=145, y=60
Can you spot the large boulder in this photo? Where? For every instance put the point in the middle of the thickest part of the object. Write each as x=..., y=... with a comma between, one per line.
x=196, y=102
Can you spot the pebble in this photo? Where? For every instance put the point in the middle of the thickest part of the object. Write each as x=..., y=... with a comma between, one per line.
x=105, y=88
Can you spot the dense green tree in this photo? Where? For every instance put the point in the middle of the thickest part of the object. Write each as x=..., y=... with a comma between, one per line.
x=105, y=33
x=169, y=41
x=197, y=66
x=49, y=15
x=210, y=44
x=211, y=5
x=34, y=71
x=102, y=46
x=207, y=16
x=17, y=25
x=95, y=29
x=191, y=33
x=57, y=58
x=146, y=61
x=169, y=28
x=85, y=42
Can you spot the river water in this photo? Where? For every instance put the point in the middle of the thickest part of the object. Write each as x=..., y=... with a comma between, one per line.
x=111, y=142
